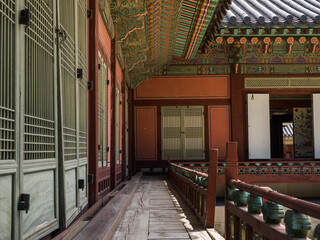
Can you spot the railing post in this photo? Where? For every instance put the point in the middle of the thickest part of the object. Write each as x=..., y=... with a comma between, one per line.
x=211, y=188
x=231, y=172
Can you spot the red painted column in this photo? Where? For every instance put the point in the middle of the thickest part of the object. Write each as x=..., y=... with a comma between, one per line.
x=131, y=134
x=212, y=188
x=113, y=117
x=231, y=172
x=123, y=112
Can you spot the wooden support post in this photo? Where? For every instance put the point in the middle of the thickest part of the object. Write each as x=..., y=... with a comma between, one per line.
x=236, y=228
x=113, y=117
x=231, y=172
x=249, y=232
x=93, y=103
x=124, y=130
x=212, y=186
x=131, y=153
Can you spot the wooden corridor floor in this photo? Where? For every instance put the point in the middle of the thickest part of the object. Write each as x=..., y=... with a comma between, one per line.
x=157, y=211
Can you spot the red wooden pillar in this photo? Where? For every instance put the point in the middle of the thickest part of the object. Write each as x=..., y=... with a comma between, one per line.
x=231, y=172
x=249, y=232
x=238, y=113
x=237, y=228
x=212, y=188
x=113, y=117
x=132, y=168
x=93, y=102
x=123, y=147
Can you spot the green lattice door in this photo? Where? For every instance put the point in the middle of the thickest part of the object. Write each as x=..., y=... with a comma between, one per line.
x=72, y=22
x=102, y=113
x=182, y=129
x=8, y=121
x=28, y=123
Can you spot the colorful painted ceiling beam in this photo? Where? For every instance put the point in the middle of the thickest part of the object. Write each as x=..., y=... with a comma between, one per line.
x=194, y=20
x=162, y=24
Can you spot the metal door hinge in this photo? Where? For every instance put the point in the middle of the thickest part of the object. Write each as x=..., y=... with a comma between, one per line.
x=90, y=85
x=81, y=184
x=24, y=202
x=90, y=178
x=108, y=149
x=108, y=82
x=120, y=151
x=90, y=14
x=120, y=102
x=25, y=17
x=62, y=36
x=79, y=73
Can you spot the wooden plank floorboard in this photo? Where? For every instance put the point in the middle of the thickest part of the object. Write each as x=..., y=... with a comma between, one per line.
x=153, y=214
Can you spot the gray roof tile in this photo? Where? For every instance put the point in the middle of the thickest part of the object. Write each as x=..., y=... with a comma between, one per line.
x=267, y=13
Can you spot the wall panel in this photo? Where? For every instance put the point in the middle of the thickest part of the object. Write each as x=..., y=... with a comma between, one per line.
x=40, y=186
x=6, y=196
x=219, y=128
x=184, y=87
x=146, y=133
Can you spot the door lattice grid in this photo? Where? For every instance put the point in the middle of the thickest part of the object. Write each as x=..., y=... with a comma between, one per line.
x=101, y=110
x=183, y=133
x=171, y=133
x=39, y=82
x=82, y=63
x=68, y=74
x=7, y=87
x=105, y=115
x=194, y=133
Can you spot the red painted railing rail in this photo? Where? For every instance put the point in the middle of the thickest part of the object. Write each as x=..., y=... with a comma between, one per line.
x=311, y=209
x=243, y=211
x=197, y=188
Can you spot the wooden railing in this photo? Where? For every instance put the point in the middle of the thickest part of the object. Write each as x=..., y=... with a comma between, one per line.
x=245, y=202
x=198, y=189
x=265, y=171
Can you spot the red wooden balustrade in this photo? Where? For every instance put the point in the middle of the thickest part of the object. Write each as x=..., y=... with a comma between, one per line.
x=198, y=189
x=236, y=217
x=265, y=171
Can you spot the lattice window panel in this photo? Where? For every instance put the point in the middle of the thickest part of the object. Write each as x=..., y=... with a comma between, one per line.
x=7, y=80
x=193, y=123
x=83, y=123
x=68, y=75
x=102, y=112
x=83, y=92
x=182, y=132
x=311, y=82
x=82, y=33
x=127, y=128
x=171, y=133
x=117, y=126
x=39, y=137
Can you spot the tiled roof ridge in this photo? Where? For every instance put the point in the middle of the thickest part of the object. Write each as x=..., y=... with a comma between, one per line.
x=268, y=13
